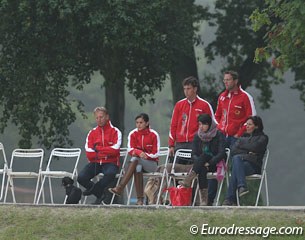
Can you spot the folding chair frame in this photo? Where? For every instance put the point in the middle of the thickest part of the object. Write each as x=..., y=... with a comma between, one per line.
x=262, y=177
x=123, y=154
x=49, y=173
x=3, y=171
x=213, y=175
x=164, y=151
x=24, y=153
x=173, y=176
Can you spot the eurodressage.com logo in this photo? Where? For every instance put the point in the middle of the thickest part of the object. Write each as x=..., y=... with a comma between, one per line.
x=265, y=232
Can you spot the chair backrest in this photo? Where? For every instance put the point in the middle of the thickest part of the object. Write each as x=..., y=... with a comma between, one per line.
x=5, y=165
x=64, y=159
x=265, y=160
x=123, y=157
x=163, y=155
x=263, y=170
x=181, y=153
x=19, y=156
x=228, y=152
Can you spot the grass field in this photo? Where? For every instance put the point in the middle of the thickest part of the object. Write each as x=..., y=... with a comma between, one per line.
x=46, y=222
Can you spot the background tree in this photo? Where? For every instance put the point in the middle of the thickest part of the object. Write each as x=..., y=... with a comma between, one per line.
x=234, y=47
x=182, y=24
x=285, y=37
x=47, y=47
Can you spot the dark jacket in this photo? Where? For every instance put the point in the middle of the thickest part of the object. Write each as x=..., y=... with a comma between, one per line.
x=251, y=147
x=216, y=146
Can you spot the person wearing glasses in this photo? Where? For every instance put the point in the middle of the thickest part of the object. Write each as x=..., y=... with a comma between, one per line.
x=234, y=106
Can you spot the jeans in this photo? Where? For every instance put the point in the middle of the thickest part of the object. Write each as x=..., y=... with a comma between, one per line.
x=91, y=170
x=240, y=169
x=213, y=184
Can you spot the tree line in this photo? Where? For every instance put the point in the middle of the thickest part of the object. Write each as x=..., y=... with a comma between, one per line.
x=48, y=48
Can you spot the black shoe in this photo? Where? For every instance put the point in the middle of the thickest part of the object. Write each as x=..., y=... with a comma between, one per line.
x=242, y=191
x=228, y=202
x=88, y=192
x=98, y=201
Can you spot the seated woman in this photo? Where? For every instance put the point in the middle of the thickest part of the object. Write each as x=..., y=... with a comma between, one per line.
x=143, y=146
x=248, y=153
x=208, y=149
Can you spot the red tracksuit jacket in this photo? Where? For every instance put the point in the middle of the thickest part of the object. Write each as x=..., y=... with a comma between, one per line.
x=184, y=123
x=146, y=140
x=232, y=111
x=107, y=141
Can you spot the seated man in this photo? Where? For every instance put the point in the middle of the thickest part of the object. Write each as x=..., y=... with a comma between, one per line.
x=103, y=152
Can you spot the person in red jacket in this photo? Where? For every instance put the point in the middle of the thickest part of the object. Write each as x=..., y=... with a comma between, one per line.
x=184, y=124
x=143, y=147
x=234, y=107
x=103, y=152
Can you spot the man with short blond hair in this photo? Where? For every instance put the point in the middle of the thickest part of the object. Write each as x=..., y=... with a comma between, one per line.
x=103, y=152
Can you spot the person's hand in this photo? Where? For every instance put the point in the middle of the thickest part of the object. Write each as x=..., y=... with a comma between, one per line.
x=207, y=165
x=134, y=153
x=94, y=147
x=143, y=155
x=171, y=151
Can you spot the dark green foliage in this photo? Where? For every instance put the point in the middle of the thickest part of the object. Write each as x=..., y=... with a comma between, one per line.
x=234, y=49
x=47, y=47
x=284, y=39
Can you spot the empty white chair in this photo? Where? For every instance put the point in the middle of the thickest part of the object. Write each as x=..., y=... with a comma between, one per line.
x=25, y=164
x=3, y=170
x=62, y=162
x=263, y=179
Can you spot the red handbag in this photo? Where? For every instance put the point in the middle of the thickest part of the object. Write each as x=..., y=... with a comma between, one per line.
x=180, y=196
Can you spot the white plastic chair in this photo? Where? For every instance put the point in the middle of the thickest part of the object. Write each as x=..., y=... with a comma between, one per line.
x=25, y=164
x=213, y=175
x=3, y=170
x=123, y=157
x=262, y=177
x=62, y=162
x=163, y=153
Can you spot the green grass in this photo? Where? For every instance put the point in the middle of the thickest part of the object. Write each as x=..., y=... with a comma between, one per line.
x=44, y=222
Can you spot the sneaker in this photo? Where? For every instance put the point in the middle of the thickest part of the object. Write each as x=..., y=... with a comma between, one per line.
x=242, y=191
x=228, y=202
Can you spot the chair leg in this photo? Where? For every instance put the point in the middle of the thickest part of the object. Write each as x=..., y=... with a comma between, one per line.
x=219, y=192
x=267, y=192
x=40, y=190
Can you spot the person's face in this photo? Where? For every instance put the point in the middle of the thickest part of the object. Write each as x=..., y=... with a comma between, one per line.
x=141, y=124
x=230, y=84
x=101, y=118
x=190, y=92
x=250, y=127
x=203, y=127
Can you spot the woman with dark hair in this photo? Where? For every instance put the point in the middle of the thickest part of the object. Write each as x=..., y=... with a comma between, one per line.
x=248, y=153
x=143, y=146
x=208, y=148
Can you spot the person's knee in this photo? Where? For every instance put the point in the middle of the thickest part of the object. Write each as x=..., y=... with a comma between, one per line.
x=139, y=168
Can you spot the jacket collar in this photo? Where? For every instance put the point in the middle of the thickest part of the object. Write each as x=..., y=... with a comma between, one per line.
x=236, y=92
